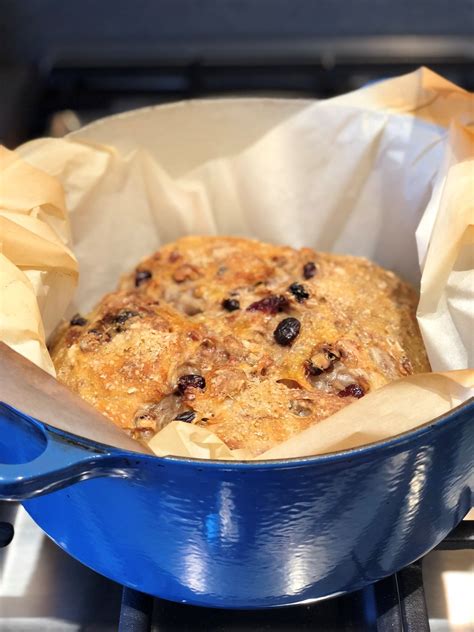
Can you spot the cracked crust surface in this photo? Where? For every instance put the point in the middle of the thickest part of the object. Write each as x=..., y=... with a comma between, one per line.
x=190, y=333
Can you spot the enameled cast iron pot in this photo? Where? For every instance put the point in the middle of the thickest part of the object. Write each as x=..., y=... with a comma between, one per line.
x=236, y=534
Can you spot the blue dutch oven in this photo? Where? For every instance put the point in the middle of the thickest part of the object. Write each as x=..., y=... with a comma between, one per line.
x=242, y=534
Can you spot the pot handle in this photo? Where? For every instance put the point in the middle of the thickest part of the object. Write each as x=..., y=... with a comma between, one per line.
x=42, y=459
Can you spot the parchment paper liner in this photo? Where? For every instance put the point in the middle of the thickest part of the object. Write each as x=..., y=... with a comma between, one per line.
x=376, y=172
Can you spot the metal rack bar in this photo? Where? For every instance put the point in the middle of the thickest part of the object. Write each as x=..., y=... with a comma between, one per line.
x=136, y=611
x=414, y=613
x=461, y=537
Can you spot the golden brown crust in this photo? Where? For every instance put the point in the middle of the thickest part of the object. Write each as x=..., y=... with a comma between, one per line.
x=209, y=307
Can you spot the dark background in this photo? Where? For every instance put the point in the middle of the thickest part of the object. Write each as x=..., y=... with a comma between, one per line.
x=66, y=62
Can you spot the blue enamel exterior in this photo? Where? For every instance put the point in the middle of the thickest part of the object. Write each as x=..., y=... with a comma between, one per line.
x=243, y=535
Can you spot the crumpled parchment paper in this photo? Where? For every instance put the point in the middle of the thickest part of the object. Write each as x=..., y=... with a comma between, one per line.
x=385, y=172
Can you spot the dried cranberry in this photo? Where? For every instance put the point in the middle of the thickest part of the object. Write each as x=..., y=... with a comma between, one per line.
x=141, y=276
x=190, y=381
x=230, y=304
x=309, y=270
x=78, y=321
x=187, y=416
x=299, y=292
x=287, y=330
x=353, y=390
x=269, y=305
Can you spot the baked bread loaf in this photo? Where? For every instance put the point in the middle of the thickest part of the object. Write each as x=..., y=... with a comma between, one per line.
x=256, y=342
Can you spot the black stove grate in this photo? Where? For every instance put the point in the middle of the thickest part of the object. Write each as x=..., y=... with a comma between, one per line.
x=136, y=611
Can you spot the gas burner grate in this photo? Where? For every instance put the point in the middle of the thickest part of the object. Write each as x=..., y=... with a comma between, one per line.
x=136, y=611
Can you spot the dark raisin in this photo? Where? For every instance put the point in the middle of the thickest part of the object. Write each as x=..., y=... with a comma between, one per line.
x=141, y=276
x=299, y=292
x=112, y=323
x=309, y=270
x=190, y=381
x=269, y=305
x=188, y=416
x=353, y=390
x=230, y=304
x=121, y=317
x=78, y=321
x=311, y=369
x=287, y=330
